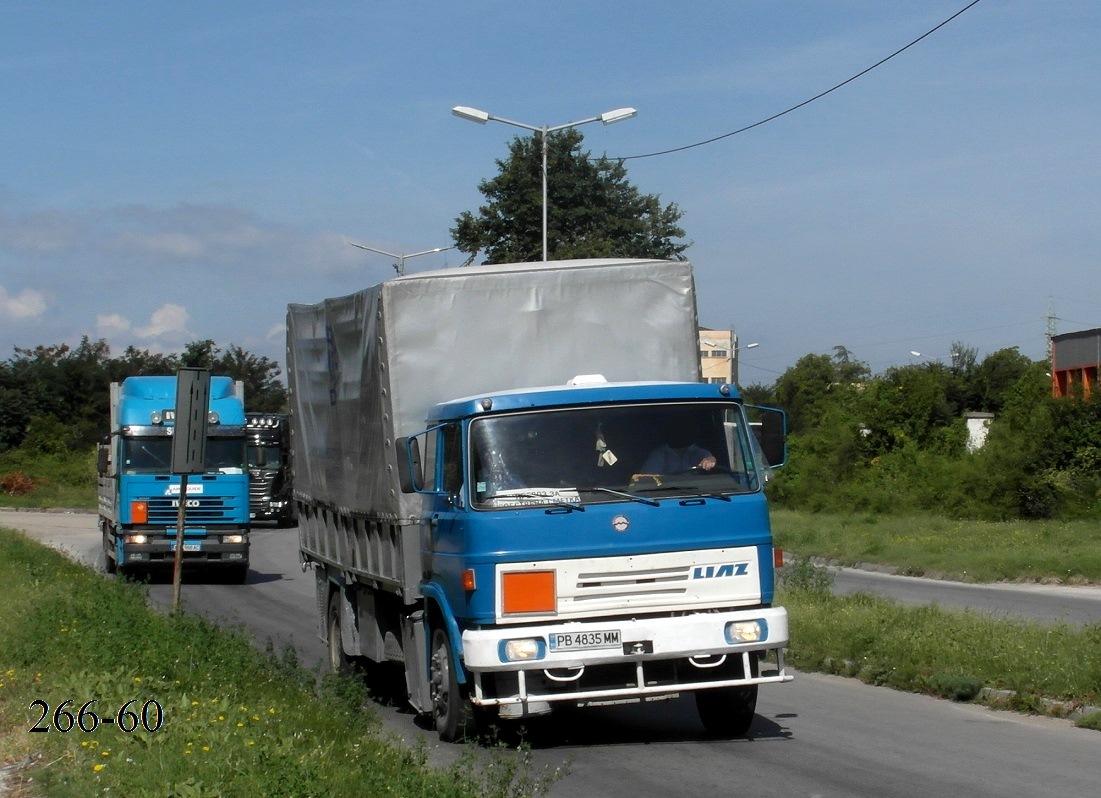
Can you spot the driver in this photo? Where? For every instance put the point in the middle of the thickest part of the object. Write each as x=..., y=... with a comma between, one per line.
x=678, y=454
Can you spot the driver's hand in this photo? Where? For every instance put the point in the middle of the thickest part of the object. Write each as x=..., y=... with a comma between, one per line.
x=707, y=463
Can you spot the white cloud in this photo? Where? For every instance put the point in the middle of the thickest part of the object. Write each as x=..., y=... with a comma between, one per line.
x=276, y=333
x=27, y=304
x=165, y=320
x=112, y=324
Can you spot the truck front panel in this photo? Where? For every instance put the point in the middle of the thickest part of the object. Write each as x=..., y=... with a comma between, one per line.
x=592, y=545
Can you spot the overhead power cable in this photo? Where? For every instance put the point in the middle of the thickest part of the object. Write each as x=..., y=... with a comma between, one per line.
x=805, y=102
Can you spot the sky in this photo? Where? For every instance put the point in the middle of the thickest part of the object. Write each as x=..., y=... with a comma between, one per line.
x=174, y=173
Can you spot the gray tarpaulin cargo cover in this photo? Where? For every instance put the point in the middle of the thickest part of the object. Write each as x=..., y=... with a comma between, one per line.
x=365, y=369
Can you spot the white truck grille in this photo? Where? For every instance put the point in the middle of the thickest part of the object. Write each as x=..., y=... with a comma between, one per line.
x=685, y=580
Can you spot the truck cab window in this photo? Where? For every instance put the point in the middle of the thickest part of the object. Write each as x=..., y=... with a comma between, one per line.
x=452, y=459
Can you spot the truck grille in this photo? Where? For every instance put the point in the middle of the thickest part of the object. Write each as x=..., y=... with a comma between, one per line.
x=204, y=510
x=669, y=581
x=259, y=484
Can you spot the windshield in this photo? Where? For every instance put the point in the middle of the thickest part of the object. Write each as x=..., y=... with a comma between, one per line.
x=615, y=453
x=154, y=455
x=267, y=457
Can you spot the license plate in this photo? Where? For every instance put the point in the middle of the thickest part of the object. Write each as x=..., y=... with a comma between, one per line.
x=574, y=641
x=188, y=546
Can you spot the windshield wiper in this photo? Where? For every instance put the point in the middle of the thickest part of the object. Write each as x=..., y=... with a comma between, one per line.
x=631, y=496
x=686, y=491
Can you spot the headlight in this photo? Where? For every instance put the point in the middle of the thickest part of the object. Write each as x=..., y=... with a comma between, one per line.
x=746, y=631
x=233, y=538
x=525, y=649
x=139, y=539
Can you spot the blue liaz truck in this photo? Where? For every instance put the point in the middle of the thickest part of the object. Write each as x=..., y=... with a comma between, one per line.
x=139, y=496
x=511, y=481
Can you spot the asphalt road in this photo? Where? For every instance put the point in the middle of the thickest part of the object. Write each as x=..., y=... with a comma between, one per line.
x=817, y=736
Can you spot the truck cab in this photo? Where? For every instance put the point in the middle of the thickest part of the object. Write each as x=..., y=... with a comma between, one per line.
x=596, y=543
x=139, y=496
x=269, y=468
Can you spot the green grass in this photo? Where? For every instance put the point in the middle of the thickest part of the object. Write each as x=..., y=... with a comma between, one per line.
x=1066, y=552
x=942, y=652
x=236, y=721
x=48, y=480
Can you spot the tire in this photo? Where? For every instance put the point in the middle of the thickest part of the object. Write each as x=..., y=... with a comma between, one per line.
x=237, y=574
x=339, y=662
x=727, y=711
x=110, y=564
x=452, y=712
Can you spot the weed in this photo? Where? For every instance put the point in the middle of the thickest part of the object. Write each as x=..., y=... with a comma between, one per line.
x=1090, y=721
x=955, y=686
x=805, y=576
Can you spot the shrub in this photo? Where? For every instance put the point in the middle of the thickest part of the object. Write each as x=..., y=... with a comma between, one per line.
x=16, y=483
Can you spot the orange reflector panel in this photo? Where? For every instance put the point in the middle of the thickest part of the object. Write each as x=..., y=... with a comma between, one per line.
x=139, y=512
x=528, y=591
x=468, y=579
x=778, y=558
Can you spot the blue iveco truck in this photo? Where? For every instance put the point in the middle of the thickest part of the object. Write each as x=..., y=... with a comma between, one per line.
x=139, y=497
x=511, y=481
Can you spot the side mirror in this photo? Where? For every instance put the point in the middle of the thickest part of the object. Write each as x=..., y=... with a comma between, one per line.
x=410, y=469
x=103, y=458
x=773, y=431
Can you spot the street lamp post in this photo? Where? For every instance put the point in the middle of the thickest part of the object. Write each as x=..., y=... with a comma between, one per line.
x=733, y=349
x=734, y=361
x=399, y=267
x=937, y=358
x=481, y=117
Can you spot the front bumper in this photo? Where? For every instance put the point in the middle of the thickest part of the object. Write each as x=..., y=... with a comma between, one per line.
x=652, y=657
x=208, y=550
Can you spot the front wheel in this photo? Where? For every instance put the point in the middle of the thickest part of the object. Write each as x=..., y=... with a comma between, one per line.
x=452, y=712
x=110, y=564
x=727, y=711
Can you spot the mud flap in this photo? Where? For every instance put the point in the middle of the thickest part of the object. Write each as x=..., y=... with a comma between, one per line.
x=415, y=642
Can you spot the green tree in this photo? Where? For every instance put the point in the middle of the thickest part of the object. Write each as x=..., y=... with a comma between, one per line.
x=592, y=209
x=996, y=375
x=55, y=398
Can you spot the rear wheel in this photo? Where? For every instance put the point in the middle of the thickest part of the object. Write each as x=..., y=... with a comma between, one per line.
x=451, y=710
x=339, y=662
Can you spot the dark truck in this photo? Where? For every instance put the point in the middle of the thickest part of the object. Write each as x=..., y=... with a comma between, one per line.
x=268, y=449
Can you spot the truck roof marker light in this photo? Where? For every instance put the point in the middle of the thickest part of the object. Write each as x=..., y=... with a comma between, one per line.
x=213, y=417
x=528, y=592
x=156, y=418
x=588, y=379
x=487, y=404
x=725, y=390
x=470, y=584
x=139, y=512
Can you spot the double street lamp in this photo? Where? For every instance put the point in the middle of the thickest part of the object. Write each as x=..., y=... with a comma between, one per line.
x=481, y=117
x=399, y=267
